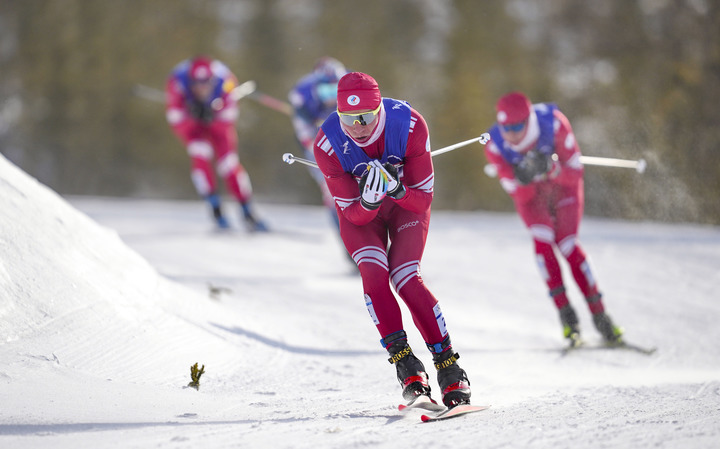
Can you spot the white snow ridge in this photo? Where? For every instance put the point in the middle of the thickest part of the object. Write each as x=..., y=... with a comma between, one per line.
x=102, y=313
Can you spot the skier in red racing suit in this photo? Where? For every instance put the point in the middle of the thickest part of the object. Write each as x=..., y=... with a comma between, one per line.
x=537, y=159
x=375, y=155
x=201, y=111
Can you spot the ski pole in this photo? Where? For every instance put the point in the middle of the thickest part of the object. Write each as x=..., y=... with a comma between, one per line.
x=288, y=158
x=639, y=165
x=243, y=90
x=149, y=93
x=482, y=139
x=158, y=96
x=271, y=102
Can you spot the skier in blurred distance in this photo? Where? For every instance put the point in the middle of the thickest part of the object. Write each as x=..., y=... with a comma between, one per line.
x=202, y=113
x=313, y=98
x=375, y=155
x=537, y=159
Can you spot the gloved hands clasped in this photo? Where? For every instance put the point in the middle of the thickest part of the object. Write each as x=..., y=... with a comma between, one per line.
x=532, y=165
x=202, y=112
x=396, y=189
x=377, y=182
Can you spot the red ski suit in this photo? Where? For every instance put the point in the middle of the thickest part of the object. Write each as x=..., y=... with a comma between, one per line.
x=402, y=223
x=207, y=140
x=551, y=207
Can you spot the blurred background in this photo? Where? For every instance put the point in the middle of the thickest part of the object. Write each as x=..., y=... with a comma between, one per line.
x=636, y=78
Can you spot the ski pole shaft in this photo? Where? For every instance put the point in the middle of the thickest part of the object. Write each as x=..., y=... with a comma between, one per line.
x=289, y=158
x=243, y=90
x=639, y=165
x=158, y=96
x=149, y=93
x=483, y=139
x=272, y=103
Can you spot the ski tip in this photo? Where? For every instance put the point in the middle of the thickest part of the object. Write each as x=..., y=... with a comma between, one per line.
x=646, y=351
x=425, y=418
x=632, y=347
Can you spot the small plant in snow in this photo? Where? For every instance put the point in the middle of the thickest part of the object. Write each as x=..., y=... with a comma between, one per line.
x=195, y=374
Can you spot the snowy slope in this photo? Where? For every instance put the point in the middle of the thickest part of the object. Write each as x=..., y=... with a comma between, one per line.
x=103, y=311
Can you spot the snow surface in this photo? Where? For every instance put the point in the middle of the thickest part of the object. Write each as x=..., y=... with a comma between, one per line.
x=106, y=303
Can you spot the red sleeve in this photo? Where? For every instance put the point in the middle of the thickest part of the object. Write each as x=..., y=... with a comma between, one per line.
x=342, y=185
x=176, y=111
x=568, y=152
x=519, y=193
x=417, y=174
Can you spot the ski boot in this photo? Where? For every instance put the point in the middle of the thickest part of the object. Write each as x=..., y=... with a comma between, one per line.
x=453, y=381
x=410, y=370
x=220, y=220
x=571, y=327
x=610, y=333
x=251, y=223
x=254, y=225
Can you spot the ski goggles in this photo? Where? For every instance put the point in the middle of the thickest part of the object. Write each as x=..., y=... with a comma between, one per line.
x=363, y=119
x=513, y=127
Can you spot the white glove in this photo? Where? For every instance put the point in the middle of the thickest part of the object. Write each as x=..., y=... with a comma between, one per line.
x=395, y=187
x=373, y=186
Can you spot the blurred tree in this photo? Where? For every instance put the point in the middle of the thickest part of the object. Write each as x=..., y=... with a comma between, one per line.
x=636, y=78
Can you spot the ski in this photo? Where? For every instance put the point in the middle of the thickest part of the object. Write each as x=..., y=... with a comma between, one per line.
x=423, y=402
x=640, y=349
x=454, y=412
x=608, y=346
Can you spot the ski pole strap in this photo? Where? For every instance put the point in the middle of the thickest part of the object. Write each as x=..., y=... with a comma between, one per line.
x=437, y=348
x=392, y=338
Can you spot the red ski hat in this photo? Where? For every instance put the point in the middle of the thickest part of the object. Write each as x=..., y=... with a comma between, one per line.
x=513, y=108
x=200, y=69
x=358, y=92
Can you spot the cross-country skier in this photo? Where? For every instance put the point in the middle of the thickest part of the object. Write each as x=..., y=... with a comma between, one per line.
x=313, y=98
x=537, y=159
x=202, y=113
x=375, y=155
